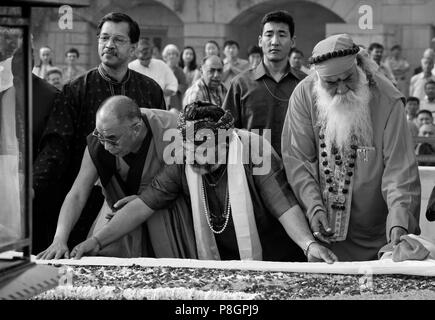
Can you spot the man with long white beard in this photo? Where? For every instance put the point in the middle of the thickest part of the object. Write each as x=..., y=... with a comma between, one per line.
x=348, y=154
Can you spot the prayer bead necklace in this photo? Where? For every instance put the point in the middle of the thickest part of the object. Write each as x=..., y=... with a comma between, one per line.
x=343, y=169
x=226, y=213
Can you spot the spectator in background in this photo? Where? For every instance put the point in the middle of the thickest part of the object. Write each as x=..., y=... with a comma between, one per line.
x=400, y=67
x=211, y=48
x=154, y=68
x=426, y=148
x=156, y=53
x=258, y=98
x=45, y=63
x=296, y=59
x=189, y=66
x=416, y=87
x=429, y=100
x=424, y=117
x=254, y=56
x=233, y=65
x=428, y=53
x=54, y=77
x=210, y=87
x=72, y=70
x=171, y=55
x=411, y=109
x=376, y=50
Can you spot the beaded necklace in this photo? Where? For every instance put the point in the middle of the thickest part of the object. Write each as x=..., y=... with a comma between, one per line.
x=337, y=177
x=209, y=215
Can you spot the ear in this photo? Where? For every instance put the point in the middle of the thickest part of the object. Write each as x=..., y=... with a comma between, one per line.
x=132, y=50
x=293, y=39
x=259, y=41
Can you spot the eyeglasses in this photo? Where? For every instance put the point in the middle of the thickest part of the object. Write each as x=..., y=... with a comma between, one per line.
x=117, y=40
x=114, y=143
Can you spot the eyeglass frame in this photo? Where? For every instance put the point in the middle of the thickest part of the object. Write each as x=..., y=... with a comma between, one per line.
x=115, y=39
x=114, y=143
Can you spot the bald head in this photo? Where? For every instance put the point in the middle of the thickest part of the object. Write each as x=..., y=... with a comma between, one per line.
x=119, y=109
x=212, y=68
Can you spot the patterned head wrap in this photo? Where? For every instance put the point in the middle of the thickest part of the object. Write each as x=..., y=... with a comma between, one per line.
x=203, y=115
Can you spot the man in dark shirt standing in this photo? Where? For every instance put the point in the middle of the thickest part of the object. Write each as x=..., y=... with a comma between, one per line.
x=64, y=139
x=258, y=98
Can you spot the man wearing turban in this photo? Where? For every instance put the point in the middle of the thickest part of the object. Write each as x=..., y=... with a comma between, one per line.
x=239, y=211
x=348, y=154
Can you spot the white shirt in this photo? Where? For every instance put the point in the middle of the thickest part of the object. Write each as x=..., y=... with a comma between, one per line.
x=159, y=72
x=425, y=104
x=416, y=87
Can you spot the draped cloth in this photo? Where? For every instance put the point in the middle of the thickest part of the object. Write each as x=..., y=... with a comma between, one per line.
x=242, y=211
x=10, y=217
x=167, y=233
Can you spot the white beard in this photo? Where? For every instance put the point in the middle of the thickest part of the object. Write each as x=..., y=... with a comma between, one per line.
x=346, y=115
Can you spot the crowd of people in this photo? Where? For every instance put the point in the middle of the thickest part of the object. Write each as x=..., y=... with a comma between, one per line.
x=341, y=180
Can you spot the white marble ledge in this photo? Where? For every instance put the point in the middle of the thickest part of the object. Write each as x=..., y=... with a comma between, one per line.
x=385, y=266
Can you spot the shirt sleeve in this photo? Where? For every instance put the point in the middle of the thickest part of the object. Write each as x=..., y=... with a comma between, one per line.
x=170, y=79
x=53, y=158
x=271, y=184
x=400, y=180
x=164, y=189
x=299, y=152
x=232, y=103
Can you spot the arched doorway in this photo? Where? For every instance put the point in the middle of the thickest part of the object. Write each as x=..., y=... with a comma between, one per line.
x=310, y=23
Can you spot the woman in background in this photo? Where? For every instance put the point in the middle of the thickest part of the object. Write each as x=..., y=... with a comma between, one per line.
x=189, y=66
x=171, y=55
x=45, y=63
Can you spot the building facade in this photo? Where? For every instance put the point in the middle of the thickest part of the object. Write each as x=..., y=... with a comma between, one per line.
x=409, y=23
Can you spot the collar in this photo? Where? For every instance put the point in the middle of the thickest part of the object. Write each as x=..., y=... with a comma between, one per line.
x=109, y=79
x=261, y=71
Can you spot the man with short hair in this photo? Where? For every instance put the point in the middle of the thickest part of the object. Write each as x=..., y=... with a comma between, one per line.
x=72, y=70
x=426, y=148
x=255, y=55
x=424, y=117
x=416, y=86
x=54, y=77
x=154, y=68
x=124, y=153
x=296, y=58
x=348, y=154
x=210, y=86
x=411, y=109
x=258, y=98
x=376, y=51
x=428, y=102
x=233, y=65
x=242, y=209
x=64, y=139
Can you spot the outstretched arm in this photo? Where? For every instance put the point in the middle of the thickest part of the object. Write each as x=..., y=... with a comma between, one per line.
x=71, y=209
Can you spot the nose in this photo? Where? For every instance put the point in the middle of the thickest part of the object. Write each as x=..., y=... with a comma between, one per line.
x=342, y=88
x=274, y=39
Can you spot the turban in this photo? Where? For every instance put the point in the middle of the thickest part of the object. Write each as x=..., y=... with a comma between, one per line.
x=204, y=115
x=334, y=55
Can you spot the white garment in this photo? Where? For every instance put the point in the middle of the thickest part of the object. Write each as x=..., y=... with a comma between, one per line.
x=159, y=72
x=426, y=105
x=6, y=77
x=242, y=210
x=416, y=86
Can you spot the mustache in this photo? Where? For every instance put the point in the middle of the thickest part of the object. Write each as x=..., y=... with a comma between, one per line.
x=110, y=51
